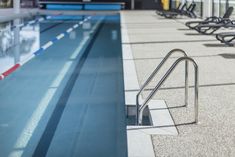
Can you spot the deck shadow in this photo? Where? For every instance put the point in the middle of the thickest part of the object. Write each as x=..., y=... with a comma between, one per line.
x=183, y=29
x=165, y=126
x=162, y=42
x=228, y=55
x=182, y=87
x=216, y=45
x=196, y=34
x=174, y=107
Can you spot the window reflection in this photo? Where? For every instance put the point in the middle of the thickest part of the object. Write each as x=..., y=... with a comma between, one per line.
x=6, y=3
x=17, y=43
x=219, y=7
x=28, y=3
x=223, y=7
x=23, y=3
x=232, y=3
x=198, y=9
x=6, y=40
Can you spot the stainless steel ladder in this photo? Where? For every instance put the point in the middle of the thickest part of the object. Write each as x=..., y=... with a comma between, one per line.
x=140, y=108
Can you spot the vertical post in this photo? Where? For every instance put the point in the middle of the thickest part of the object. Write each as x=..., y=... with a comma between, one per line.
x=201, y=8
x=196, y=94
x=213, y=8
x=16, y=41
x=16, y=6
x=186, y=84
x=227, y=4
x=132, y=4
x=137, y=109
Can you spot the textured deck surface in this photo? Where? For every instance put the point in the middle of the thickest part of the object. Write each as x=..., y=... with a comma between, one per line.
x=151, y=38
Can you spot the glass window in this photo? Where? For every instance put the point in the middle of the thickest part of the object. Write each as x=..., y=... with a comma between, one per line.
x=216, y=8
x=198, y=9
x=28, y=3
x=232, y=3
x=219, y=7
x=223, y=6
x=6, y=3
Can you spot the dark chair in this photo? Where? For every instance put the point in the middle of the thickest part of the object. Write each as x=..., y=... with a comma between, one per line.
x=190, y=12
x=226, y=38
x=161, y=12
x=210, y=28
x=213, y=19
x=176, y=12
x=186, y=11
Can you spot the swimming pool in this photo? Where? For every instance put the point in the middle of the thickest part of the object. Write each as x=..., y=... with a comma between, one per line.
x=67, y=98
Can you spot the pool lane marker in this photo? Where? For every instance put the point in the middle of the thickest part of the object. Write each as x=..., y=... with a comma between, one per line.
x=36, y=116
x=41, y=49
x=52, y=124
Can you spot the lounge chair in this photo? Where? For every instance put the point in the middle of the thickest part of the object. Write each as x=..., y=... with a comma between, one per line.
x=213, y=19
x=190, y=12
x=226, y=38
x=174, y=10
x=210, y=28
x=182, y=11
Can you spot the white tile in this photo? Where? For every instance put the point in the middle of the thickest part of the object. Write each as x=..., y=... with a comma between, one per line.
x=139, y=144
x=130, y=76
x=139, y=139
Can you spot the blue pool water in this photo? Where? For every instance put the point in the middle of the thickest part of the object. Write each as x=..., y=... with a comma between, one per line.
x=69, y=100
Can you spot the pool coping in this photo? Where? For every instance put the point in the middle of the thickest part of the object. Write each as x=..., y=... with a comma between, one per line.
x=139, y=137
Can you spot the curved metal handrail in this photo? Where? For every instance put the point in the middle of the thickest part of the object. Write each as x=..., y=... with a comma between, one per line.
x=164, y=79
x=155, y=72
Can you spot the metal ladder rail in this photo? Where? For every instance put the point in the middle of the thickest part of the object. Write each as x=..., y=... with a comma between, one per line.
x=156, y=71
x=164, y=79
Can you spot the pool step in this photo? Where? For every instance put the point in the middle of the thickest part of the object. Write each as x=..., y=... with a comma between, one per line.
x=161, y=122
x=139, y=137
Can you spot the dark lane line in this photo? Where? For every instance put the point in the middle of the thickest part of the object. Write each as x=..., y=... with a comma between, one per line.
x=53, y=26
x=48, y=134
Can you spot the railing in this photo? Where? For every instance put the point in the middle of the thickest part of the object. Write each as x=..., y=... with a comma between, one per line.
x=141, y=108
x=155, y=72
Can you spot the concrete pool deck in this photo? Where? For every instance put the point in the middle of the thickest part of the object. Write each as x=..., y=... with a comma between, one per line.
x=151, y=38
